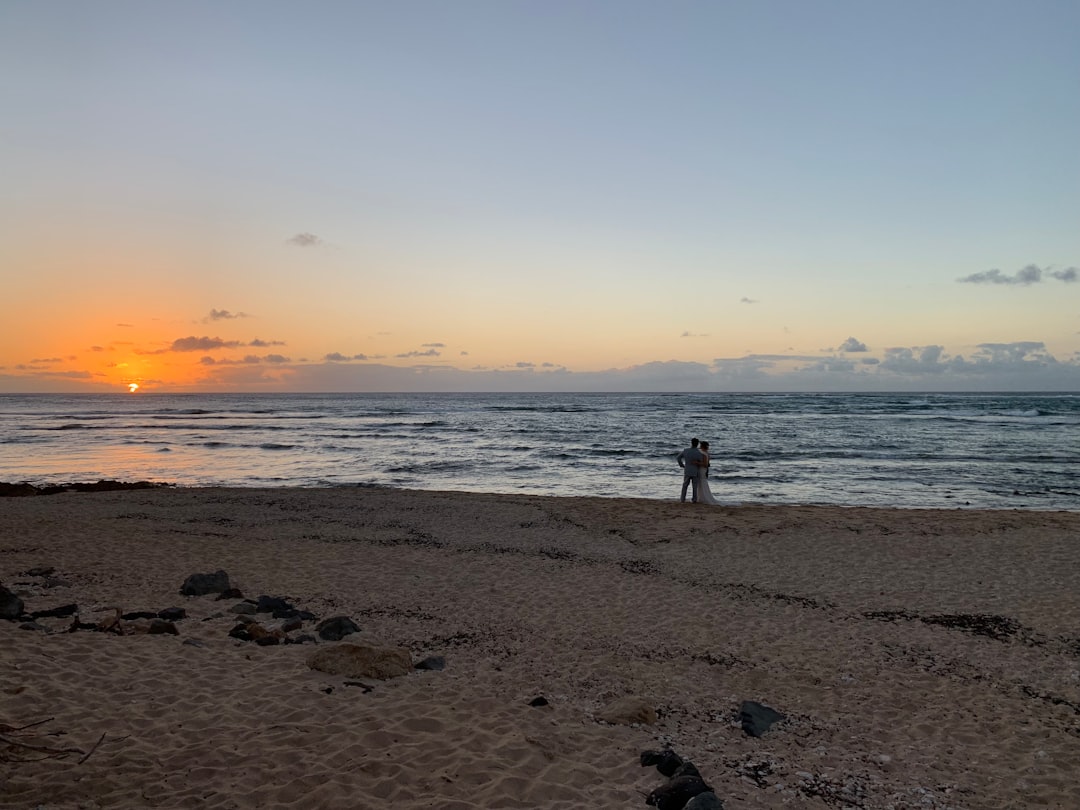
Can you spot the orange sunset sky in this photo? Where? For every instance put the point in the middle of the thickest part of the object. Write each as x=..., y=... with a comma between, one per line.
x=267, y=196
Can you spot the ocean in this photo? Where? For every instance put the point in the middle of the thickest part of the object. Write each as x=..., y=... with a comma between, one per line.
x=1002, y=451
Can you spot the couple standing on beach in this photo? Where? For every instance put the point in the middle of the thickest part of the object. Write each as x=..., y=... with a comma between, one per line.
x=694, y=461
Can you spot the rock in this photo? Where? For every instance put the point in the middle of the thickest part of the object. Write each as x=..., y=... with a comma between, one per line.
x=676, y=792
x=627, y=711
x=362, y=661
x=666, y=761
x=240, y=631
x=757, y=718
x=41, y=571
x=161, y=627
x=135, y=615
x=202, y=584
x=230, y=593
x=193, y=642
x=34, y=626
x=336, y=628
x=705, y=801
x=243, y=608
x=55, y=582
x=56, y=612
x=433, y=662
x=538, y=701
x=304, y=638
x=268, y=641
x=11, y=606
x=17, y=490
x=173, y=614
x=272, y=604
x=291, y=625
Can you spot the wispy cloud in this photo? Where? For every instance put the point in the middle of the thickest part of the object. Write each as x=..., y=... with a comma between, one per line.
x=262, y=344
x=689, y=334
x=247, y=360
x=304, y=240
x=1024, y=277
x=745, y=300
x=338, y=357
x=223, y=315
x=428, y=353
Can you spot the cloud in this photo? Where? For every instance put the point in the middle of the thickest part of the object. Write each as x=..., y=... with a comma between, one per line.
x=745, y=300
x=200, y=344
x=261, y=344
x=304, y=240
x=428, y=353
x=338, y=357
x=224, y=315
x=434, y=345
x=247, y=360
x=692, y=335
x=853, y=345
x=524, y=364
x=126, y=325
x=1024, y=277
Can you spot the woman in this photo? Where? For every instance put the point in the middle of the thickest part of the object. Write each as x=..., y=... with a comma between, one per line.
x=704, y=494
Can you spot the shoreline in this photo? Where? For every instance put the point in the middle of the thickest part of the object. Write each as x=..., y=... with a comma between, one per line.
x=922, y=657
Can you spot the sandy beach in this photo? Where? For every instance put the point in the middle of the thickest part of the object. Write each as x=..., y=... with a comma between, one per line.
x=921, y=659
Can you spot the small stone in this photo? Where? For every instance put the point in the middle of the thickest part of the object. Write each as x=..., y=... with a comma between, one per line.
x=756, y=718
x=161, y=627
x=173, y=614
x=539, y=701
x=244, y=608
x=433, y=662
x=11, y=606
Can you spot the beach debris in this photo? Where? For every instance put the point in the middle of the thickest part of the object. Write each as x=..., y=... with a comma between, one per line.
x=757, y=718
x=362, y=661
x=11, y=606
x=336, y=628
x=685, y=789
x=626, y=711
x=20, y=744
x=202, y=584
x=435, y=663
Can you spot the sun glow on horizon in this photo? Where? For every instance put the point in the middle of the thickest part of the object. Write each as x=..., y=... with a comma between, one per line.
x=133, y=387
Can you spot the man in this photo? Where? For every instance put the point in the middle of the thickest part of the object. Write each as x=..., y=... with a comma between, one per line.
x=690, y=460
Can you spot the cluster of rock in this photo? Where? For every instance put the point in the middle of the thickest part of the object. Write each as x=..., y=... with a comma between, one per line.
x=21, y=490
x=684, y=788
x=348, y=659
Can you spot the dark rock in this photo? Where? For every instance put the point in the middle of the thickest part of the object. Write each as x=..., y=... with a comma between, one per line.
x=305, y=638
x=11, y=606
x=55, y=582
x=268, y=641
x=193, y=642
x=270, y=604
x=17, y=490
x=705, y=801
x=202, y=584
x=433, y=662
x=666, y=761
x=135, y=615
x=538, y=701
x=336, y=628
x=230, y=593
x=56, y=612
x=293, y=613
x=173, y=614
x=160, y=627
x=240, y=632
x=676, y=792
x=757, y=718
x=113, y=486
x=41, y=571
x=243, y=608
x=34, y=626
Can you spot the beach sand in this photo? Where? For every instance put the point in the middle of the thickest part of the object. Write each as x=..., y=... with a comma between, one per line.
x=923, y=659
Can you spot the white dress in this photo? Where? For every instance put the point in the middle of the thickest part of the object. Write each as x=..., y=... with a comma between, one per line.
x=704, y=494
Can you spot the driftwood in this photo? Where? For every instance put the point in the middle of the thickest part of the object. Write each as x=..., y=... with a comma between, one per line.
x=23, y=744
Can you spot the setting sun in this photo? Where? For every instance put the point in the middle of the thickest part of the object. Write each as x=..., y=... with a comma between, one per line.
x=133, y=387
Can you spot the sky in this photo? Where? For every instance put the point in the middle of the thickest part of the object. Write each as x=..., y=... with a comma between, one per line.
x=545, y=195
